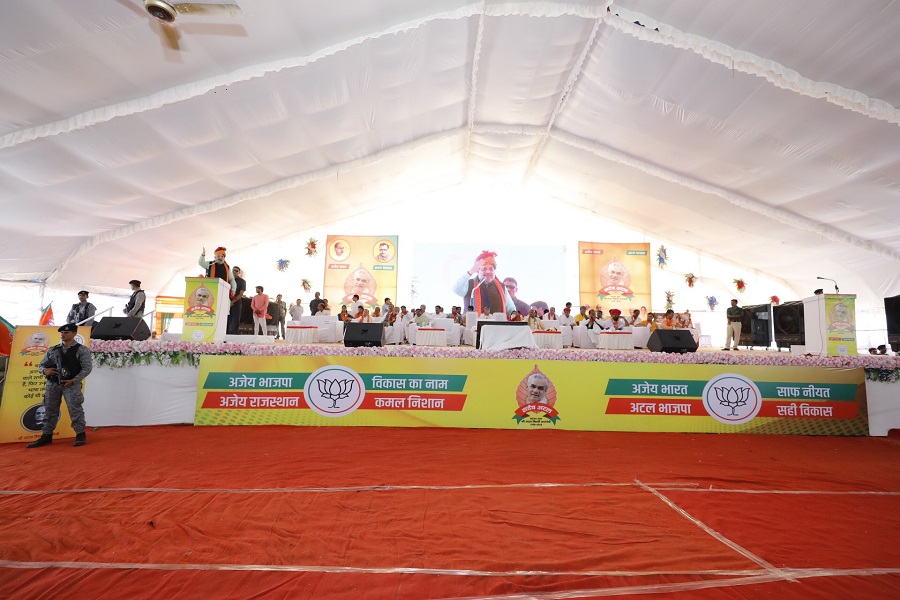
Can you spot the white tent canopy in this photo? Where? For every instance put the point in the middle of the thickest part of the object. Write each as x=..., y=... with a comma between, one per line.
x=762, y=134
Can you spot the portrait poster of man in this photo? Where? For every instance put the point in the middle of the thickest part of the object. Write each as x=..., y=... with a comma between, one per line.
x=364, y=265
x=614, y=275
x=445, y=273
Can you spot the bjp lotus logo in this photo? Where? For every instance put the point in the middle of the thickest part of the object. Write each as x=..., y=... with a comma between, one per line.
x=732, y=399
x=334, y=391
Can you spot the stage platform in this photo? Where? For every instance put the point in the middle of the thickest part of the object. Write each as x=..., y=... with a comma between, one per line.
x=156, y=382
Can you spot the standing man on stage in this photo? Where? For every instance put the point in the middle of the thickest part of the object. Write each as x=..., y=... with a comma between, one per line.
x=65, y=366
x=218, y=267
x=296, y=311
x=83, y=310
x=237, y=293
x=135, y=306
x=480, y=287
x=280, y=312
x=734, y=314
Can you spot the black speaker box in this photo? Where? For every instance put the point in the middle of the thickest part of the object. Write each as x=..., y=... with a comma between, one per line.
x=892, y=314
x=120, y=328
x=363, y=334
x=671, y=340
x=788, y=324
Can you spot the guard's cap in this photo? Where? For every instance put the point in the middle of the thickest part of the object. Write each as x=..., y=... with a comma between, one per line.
x=68, y=327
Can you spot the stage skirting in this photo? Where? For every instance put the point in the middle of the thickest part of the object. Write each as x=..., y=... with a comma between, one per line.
x=504, y=394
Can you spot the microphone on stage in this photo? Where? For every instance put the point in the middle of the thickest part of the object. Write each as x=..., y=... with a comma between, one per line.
x=836, y=290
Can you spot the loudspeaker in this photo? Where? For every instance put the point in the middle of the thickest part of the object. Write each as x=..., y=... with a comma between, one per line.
x=672, y=340
x=892, y=314
x=789, y=327
x=120, y=328
x=363, y=334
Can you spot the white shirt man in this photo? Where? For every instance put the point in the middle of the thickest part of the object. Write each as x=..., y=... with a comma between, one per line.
x=296, y=311
x=566, y=317
x=354, y=307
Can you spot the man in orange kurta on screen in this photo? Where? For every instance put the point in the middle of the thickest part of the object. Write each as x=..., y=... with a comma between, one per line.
x=480, y=287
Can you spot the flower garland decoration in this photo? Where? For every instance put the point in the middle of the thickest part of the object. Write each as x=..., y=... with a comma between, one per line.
x=311, y=249
x=690, y=279
x=775, y=300
x=282, y=264
x=130, y=353
x=662, y=257
x=711, y=302
x=670, y=300
x=306, y=284
x=739, y=285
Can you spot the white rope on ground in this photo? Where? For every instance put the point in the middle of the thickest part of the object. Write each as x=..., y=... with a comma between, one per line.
x=715, y=534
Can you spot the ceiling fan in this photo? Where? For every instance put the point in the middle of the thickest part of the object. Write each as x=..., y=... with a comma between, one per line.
x=167, y=12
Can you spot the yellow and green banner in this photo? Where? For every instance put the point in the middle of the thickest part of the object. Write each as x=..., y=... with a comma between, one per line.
x=201, y=297
x=22, y=410
x=840, y=324
x=614, y=276
x=359, y=264
x=517, y=394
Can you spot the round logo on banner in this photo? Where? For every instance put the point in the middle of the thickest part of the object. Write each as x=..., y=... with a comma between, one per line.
x=334, y=391
x=731, y=399
x=197, y=335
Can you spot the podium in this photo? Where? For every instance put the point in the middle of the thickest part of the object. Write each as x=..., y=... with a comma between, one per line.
x=830, y=324
x=206, y=306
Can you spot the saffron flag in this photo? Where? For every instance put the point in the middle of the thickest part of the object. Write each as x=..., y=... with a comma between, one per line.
x=6, y=332
x=47, y=315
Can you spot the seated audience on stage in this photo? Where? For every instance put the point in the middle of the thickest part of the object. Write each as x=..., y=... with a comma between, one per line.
x=391, y=316
x=598, y=314
x=591, y=321
x=615, y=321
x=364, y=316
x=534, y=321
x=686, y=320
x=582, y=315
x=439, y=312
x=668, y=321
x=882, y=349
x=514, y=316
x=566, y=317
x=344, y=314
x=457, y=315
x=421, y=319
x=322, y=310
x=358, y=313
x=387, y=305
x=551, y=314
x=404, y=315
x=651, y=322
x=376, y=312
x=873, y=351
x=486, y=313
x=636, y=320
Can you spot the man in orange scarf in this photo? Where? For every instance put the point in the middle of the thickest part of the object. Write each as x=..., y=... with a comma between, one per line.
x=480, y=287
x=218, y=267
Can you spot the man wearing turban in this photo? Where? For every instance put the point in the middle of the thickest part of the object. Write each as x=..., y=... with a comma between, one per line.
x=480, y=287
x=615, y=321
x=218, y=267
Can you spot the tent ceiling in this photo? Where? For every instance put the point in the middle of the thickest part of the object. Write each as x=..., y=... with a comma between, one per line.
x=764, y=133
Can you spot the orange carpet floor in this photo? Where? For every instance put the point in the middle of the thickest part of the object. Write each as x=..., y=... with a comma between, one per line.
x=290, y=512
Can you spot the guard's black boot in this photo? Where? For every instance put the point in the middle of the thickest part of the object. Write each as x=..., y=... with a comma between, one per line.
x=44, y=440
x=80, y=439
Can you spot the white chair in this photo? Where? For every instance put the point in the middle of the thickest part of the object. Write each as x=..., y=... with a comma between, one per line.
x=411, y=330
x=452, y=330
x=393, y=334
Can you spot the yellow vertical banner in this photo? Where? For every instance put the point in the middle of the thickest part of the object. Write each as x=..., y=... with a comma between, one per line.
x=840, y=324
x=200, y=302
x=21, y=411
x=614, y=276
x=364, y=265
